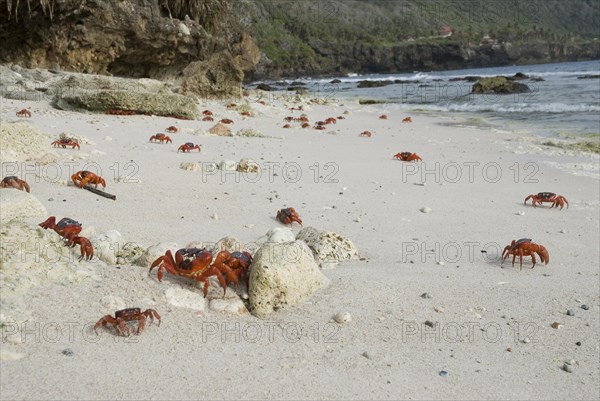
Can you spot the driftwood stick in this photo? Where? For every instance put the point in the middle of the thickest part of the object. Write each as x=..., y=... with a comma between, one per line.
x=99, y=192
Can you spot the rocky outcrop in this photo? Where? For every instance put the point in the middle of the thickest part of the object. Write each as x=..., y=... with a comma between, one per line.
x=22, y=142
x=19, y=205
x=158, y=104
x=499, y=85
x=133, y=38
x=217, y=77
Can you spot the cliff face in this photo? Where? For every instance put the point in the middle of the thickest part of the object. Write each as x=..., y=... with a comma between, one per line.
x=134, y=38
x=363, y=58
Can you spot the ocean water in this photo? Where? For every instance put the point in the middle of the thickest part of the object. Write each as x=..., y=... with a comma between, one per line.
x=562, y=104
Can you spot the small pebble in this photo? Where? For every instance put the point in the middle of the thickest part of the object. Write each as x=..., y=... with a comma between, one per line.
x=555, y=325
x=443, y=373
x=440, y=263
x=509, y=349
x=585, y=307
x=68, y=352
x=425, y=295
x=578, y=343
x=563, y=231
x=50, y=199
x=438, y=310
x=367, y=355
x=521, y=213
x=429, y=323
x=215, y=217
x=426, y=210
x=526, y=340
x=570, y=312
x=342, y=317
x=568, y=368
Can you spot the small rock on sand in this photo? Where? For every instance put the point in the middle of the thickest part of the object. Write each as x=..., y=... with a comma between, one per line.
x=342, y=317
x=425, y=209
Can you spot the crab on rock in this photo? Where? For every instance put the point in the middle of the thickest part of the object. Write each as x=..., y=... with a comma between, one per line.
x=524, y=247
x=188, y=146
x=407, y=156
x=556, y=200
x=199, y=265
x=288, y=216
x=66, y=227
x=119, y=322
x=12, y=181
x=82, y=178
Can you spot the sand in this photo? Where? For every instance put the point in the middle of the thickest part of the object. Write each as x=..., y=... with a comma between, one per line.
x=491, y=336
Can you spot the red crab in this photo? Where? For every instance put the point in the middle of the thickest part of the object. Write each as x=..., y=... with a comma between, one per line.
x=330, y=120
x=207, y=113
x=306, y=125
x=196, y=263
x=119, y=322
x=66, y=142
x=231, y=105
x=82, y=178
x=245, y=113
x=12, y=181
x=66, y=227
x=365, y=133
x=287, y=126
x=407, y=120
x=320, y=127
x=226, y=121
x=341, y=117
x=288, y=216
x=172, y=129
x=208, y=118
x=524, y=247
x=407, y=157
x=85, y=247
x=288, y=119
x=160, y=138
x=23, y=113
x=556, y=200
x=383, y=117
x=188, y=146
x=301, y=119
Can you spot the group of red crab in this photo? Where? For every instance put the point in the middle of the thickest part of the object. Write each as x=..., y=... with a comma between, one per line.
x=198, y=264
x=163, y=138
x=303, y=119
x=522, y=247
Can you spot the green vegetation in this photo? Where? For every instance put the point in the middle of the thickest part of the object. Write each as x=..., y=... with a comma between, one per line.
x=306, y=33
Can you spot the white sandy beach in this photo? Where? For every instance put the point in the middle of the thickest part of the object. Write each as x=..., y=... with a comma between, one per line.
x=475, y=186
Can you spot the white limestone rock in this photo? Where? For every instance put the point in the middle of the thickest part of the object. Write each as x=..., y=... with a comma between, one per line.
x=281, y=275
